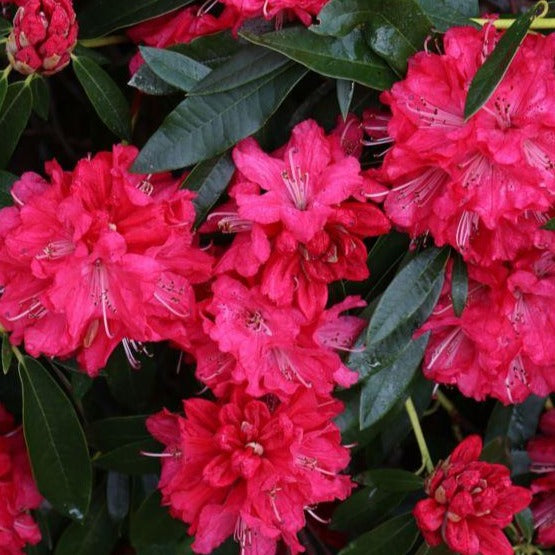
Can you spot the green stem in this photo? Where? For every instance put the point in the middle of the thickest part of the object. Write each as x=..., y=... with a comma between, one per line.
x=539, y=23
x=415, y=423
x=103, y=41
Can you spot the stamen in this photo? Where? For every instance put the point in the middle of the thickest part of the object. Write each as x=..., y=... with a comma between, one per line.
x=56, y=249
x=145, y=186
x=131, y=348
x=287, y=368
x=421, y=189
x=100, y=294
x=536, y=156
x=169, y=455
x=296, y=183
x=516, y=372
x=449, y=345
x=316, y=517
x=206, y=7
x=468, y=224
x=431, y=115
x=272, y=494
x=230, y=222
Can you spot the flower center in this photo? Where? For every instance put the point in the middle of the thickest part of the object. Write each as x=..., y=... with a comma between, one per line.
x=296, y=183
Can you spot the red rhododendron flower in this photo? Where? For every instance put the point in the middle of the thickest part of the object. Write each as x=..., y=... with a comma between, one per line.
x=473, y=183
x=469, y=503
x=297, y=220
x=299, y=9
x=275, y=349
x=43, y=37
x=250, y=467
x=98, y=256
x=18, y=492
x=498, y=346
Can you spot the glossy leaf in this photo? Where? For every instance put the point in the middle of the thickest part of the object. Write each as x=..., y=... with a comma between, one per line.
x=491, y=73
x=209, y=179
x=392, y=479
x=5, y=27
x=14, y=115
x=442, y=549
x=3, y=87
x=41, y=96
x=384, y=389
x=525, y=523
x=550, y=225
x=7, y=353
x=99, y=17
x=56, y=443
x=96, y=535
x=105, y=96
x=204, y=126
x=145, y=80
x=397, y=30
x=174, y=68
x=117, y=495
x=111, y=433
x=364, y=508
x=128, y=458
x=132, y=388
x=339, y=17
x=445, y=14
x=247, y=65
x=345, y=90
x=343, y=58
x=397, y=536
x=459, y=284
x=403, y=307
x=152, y=524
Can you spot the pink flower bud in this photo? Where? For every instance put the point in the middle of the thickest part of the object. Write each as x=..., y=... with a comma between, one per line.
x=43, y=36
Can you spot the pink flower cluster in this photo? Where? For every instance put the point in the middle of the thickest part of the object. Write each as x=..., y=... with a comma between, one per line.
x=214, y=16
x=253, y=461
x=98, y=256
x=485, y=186
x=18, y=492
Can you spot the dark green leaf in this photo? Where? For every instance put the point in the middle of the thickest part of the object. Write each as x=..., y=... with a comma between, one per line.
x=345, y=90
x=517, y=422
x=490, y=74
x=392, y=479
x=496, y=451
x=397, y=536
x=383, y=390
x=152, y=524
x=403, y=308
x=99, y=17
x=111, y=433
x=212, y=51
x=397, y=30
x=209, y=179
x=204, y=126
x=7, y=353
x=105, y=96
x=344, y=58
x=128, y=459
x=442, y=549
x=41, y=97
x=5, y=27
x=247, y=65
x=80, y=384
x=56, y=443
x=132, y=388
x=3, y=88
x=445, y=14
x=14, y=115
x=550, y=225
x=338, y=17
x=117, y=495
x=364, y=508
x=459, y=284
x=7, y=179
x=96, y=535
x=176, y=69
x=92, y=53
x=525, y=523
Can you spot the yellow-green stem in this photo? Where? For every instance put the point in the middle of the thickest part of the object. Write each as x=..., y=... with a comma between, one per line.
x=18, y=355
x=539, y=23
x=103, y=41
x=420, y=440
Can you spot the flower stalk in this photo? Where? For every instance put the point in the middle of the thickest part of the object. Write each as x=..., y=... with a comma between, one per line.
x=427, y=463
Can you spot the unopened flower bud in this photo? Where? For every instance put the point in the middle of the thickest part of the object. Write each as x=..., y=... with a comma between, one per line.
x=43, y=36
